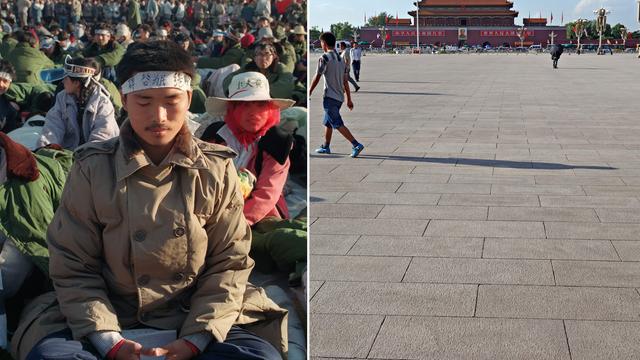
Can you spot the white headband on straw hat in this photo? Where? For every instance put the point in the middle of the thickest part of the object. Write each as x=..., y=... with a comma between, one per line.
x=248, y=86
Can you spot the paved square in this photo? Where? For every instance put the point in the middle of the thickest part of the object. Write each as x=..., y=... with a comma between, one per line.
x=494, y=213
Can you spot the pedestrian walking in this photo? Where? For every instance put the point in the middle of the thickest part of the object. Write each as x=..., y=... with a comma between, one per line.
x=336, y=86
x=356, y=59
x=345, y=53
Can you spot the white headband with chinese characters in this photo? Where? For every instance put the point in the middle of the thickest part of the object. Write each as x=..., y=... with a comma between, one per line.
x=6, y=76
x=77, y=71
x=103, y=32
x=156, y=80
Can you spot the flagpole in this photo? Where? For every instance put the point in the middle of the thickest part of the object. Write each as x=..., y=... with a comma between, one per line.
x=418, y=25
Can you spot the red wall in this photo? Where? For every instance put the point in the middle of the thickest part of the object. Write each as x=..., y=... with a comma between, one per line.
x=475, y=36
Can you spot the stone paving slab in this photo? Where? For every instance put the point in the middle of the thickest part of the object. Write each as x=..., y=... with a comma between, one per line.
x=471, y=179
x=597, y=273
x=332, y=244
x=550, y=249
x=396, y=299
x=474, y=189
x=374, y=187
x=359, y=268
x=463, y=228
x=418, y=246
x=480, y=271
x=590, y=201
x=408, y=178
x=537, y=189
x=445, y=188
x=595, y=340
x=314, y=286
x=468, y=338
x=567, y=230
x=628, y=250
x=542, y=214
x=369, y=226
x=388, y=198
x=350, y=336
x=346, y=211
x=558, y=302
x=489, y=200
x=433, y=212
x=326, y=196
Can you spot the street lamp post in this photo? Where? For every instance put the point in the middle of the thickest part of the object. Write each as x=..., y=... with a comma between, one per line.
x=579, y=29
x=601, y=23
x=623, y=35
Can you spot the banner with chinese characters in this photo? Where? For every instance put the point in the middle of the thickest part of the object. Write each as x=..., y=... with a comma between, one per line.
x=438, y=33
x=504, y=33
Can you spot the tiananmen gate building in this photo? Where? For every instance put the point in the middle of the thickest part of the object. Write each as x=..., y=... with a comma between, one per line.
x=465, y=22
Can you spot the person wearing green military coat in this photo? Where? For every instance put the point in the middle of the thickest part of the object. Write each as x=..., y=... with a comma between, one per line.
x=299, y=41
x=232, y=53
x=30, y=191
x=198, y=97
x=286, y=52
x=27, y=60
x=9, y=43
x=133, y=14
x=32, y=98
x=281, y=82
x=105, y=50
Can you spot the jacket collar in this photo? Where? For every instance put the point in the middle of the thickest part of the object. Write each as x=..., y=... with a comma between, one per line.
x=131, y=157
x=21, y=163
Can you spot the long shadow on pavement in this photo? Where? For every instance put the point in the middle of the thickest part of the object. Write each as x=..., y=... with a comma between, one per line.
x=478, y=162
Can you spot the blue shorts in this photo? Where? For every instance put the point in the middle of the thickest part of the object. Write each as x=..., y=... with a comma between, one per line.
x=332, y=116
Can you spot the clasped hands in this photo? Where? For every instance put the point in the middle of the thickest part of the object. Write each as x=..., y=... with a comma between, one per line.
x=176, y=350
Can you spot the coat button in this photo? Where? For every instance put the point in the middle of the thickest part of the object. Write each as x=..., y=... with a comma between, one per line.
x=143, y=280
x=178, y=277
x=140, y=235
x=178, y=232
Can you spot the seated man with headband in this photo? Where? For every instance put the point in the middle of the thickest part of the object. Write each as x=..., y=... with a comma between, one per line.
x=150, y=234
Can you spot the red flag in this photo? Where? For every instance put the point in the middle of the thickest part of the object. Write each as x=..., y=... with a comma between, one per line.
x=388, y=37
x=397, y=18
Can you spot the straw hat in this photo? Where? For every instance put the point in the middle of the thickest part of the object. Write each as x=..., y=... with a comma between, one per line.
x=248, y=86
x=299, y=30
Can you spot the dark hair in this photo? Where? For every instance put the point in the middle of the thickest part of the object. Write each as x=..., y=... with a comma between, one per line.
x=26, y=37
x=85, y=90
x=100, y=26
x=157, y=55
x=5, y=66
x=268, y=47
x=328, y=39
x=145, y=27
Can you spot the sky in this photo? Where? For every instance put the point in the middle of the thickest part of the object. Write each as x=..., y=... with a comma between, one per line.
x=323, y=13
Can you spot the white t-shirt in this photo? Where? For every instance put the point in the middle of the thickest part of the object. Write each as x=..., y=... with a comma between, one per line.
x=244, y=153
x=356, y=54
